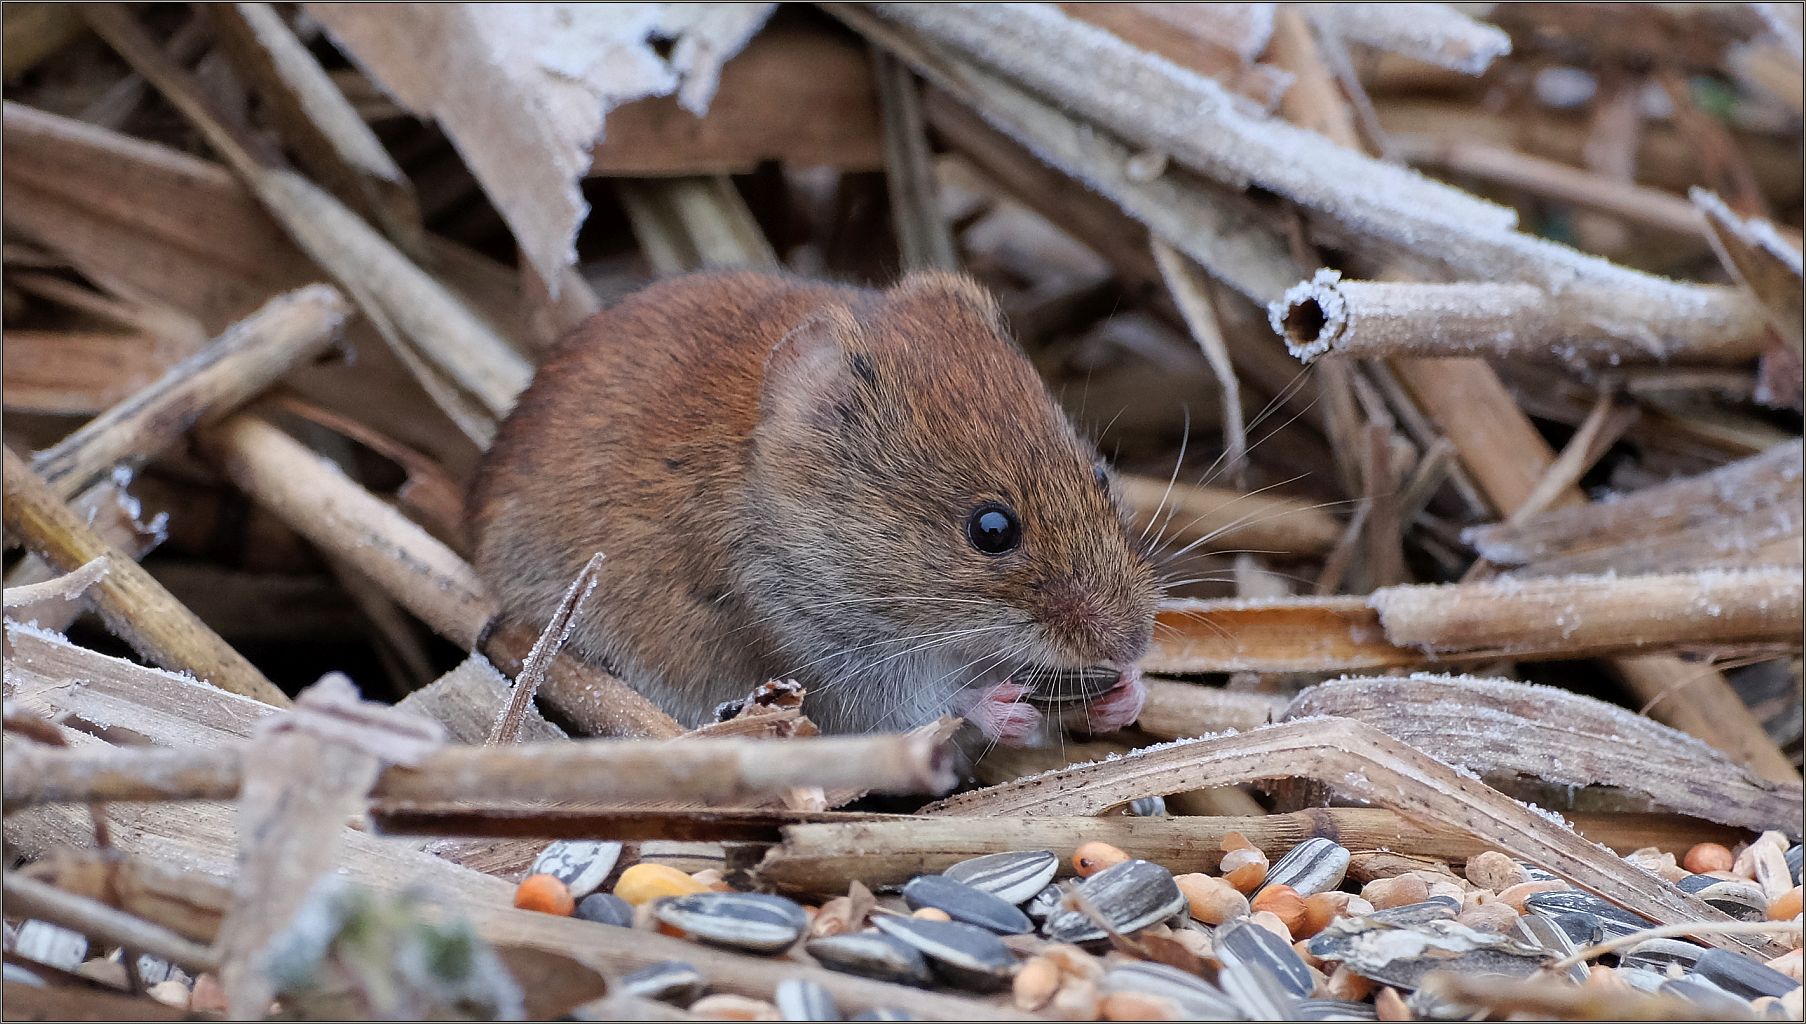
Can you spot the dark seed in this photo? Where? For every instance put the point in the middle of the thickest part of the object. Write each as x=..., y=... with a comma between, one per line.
x=1243, y=942
x=1659, y=954
x=1196, y=998
x=750, y=921
x=1313, y=866
x=1709, y=998
x=1741, y=900
x=962, y=954
x=1741, y=976
x=1011, y=877
x=964, y=903
x=606, y=908
x=1793, y=863
x=1612, y=919
x=805, y=1000
x=581, y=864
x=871, y=955
x=1130, y=896
x=673, y=982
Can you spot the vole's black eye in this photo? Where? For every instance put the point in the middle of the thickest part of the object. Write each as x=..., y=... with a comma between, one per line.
x=993, y=529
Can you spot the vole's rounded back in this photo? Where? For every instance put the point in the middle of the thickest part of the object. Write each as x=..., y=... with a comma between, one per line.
x=871, y=492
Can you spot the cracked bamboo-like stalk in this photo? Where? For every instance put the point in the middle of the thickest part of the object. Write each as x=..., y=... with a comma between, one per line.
x=134, y=605
x=1581, y=322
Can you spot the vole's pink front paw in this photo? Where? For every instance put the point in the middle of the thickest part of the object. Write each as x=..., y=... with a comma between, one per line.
x=1000, y=713
x=1119, y=706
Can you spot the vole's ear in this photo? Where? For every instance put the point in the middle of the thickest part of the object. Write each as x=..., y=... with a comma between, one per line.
x=957, y=288
x=809, y=374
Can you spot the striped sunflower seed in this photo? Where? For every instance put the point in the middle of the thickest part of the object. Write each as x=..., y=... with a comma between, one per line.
x=1129, y=896
x=962, y=954
x=1011, y=877
x=749, y=921
x=965, y=903
x=1313, y=866
x=871, y=955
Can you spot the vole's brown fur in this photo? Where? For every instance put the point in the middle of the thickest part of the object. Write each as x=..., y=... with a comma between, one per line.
x=779, y=474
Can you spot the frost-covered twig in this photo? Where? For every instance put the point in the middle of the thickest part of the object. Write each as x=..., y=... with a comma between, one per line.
x=1583, y=323
x=246, y=359
x=134, y=605
x=1434, y=33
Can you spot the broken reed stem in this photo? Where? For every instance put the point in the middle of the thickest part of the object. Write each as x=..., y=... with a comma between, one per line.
x=250, y=356
x=134, y=605
x=923, y=238
x=817, y=858
x=103, y=925
x=1501, y=165
x=468, y=369
x=319, y=502
x=1216, y=518
x=1191, y=294
x=1174, y=709
x=1576, y=323
x=1580, y=614
x=593, y=771
x=1539, y=617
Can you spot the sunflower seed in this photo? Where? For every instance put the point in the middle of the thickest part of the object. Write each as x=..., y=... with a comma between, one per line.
x=1741, y=900
x=804, y=1000
x=1313, y=866
x=1793, y=863
x=1612, y=919
x=1545, y=932
x=1041, y=905
x=962, y=954
x=964, y=903
x=1658, y=954
x=582, y=865
x=1741, y=976
x=750, y=921
x=606, y=908
x=1011, y=877
x=1195, y=997
x=1709, y=998
x=672, y=981
x=1148, y=807
x=1243, y=942
x=1332, y=1009
x=871, y=955
x=1129, y=896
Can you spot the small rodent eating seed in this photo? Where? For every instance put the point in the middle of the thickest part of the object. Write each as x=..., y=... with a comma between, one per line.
x=871, y=492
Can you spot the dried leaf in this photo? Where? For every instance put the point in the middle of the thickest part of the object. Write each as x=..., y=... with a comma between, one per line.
x=523, y=89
